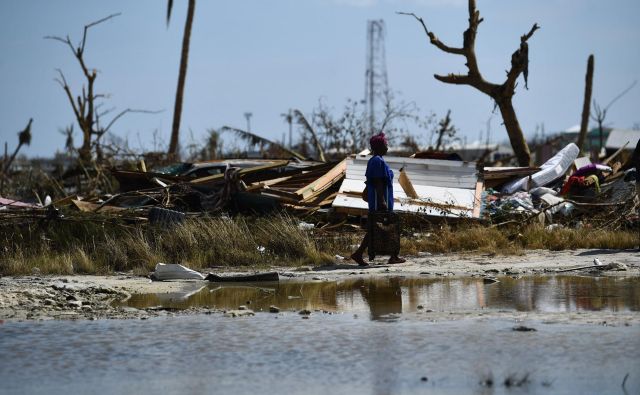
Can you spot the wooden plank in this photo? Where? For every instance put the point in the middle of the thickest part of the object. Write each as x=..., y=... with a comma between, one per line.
x=477, y=199
x=94, y=207
x=323, y=181
x=220, y=177
x=406, y=185
x=496, y=173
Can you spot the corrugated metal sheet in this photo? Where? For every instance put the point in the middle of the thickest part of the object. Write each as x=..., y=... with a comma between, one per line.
x=445, y=188
x=619, y=137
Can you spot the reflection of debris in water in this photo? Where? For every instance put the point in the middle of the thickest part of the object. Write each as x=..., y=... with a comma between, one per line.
x=386, y=298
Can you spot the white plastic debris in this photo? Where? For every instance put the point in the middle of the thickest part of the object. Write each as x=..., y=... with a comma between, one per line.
x=171, y=271
x=597, y=262
x=305, y=226
x=261, y=249
x=551, y=170
x=47, y=200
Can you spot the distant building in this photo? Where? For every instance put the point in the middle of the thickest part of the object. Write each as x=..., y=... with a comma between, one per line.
x=617, y=139
x=592, y=141
x=477, y=150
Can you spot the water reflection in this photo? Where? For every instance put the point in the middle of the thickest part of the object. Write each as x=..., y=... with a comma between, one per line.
x=386, y=298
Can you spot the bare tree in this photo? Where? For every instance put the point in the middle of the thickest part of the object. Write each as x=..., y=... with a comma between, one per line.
x=588, y=88
x=601, y=113
x=503, y=93
x=85, y=106
x=445, y=129
x=182, y=75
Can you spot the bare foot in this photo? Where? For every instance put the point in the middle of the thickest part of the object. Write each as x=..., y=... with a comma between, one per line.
x=395, y=259
x=358, y=258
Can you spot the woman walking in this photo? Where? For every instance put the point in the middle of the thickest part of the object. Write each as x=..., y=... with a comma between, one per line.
x=379, y=191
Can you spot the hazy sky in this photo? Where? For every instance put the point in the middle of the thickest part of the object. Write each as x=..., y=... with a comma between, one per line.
x=266, y=56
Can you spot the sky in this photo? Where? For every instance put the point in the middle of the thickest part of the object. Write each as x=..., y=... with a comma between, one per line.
x=267, y=56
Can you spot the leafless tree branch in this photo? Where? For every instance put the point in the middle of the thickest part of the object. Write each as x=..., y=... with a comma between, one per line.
x=432, y=37
x=87, y=27
x=129, y=110
x=501, y=93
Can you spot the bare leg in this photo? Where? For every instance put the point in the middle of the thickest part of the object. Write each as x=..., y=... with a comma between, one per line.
x=357, y=256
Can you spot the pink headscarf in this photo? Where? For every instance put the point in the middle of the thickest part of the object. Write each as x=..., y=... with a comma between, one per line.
x=378, y=142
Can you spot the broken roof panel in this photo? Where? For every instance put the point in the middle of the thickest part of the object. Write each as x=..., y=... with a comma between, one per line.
x=619, y=137
x=445, y=188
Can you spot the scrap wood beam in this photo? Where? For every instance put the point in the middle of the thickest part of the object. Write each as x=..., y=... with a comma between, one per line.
x=331, y=177
x=242, y=172
x=502, y=94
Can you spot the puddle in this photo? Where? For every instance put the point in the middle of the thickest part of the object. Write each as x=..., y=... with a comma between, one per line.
x=340, y=353
x=382, y=298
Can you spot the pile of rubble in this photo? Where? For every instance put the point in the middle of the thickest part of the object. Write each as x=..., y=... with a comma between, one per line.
x=568, y=190
x=564, y=190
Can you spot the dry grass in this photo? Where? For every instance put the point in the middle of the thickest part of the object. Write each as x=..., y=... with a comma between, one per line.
x=87, y=247
x=509, y=241
x=100, y=247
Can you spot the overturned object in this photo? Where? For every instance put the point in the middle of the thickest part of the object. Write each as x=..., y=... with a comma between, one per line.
x=269, y=276
x=170, y=271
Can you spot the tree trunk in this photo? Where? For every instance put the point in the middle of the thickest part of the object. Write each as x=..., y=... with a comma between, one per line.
x=85, y=151
x=184, y=57
x=584, y=124
x=518, y=142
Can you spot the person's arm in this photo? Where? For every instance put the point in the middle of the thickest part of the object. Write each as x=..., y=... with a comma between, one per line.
x=379, y=185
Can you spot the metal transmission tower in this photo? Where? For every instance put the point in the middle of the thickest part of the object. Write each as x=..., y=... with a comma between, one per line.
x=376, y=84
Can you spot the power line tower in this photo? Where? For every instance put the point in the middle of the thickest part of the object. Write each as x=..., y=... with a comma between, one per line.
x=376, y=84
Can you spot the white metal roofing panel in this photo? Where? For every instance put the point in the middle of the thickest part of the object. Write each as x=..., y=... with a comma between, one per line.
x=439, y=195
x=619, y=137
x=443, y=173
x=437, y=182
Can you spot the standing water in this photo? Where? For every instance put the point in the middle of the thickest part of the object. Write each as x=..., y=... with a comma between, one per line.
x=371, y=335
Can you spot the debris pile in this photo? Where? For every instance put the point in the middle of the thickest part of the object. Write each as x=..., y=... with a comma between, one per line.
x=567, y=190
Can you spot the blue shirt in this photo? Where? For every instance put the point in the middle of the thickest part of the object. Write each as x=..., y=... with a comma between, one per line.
x=378, y=168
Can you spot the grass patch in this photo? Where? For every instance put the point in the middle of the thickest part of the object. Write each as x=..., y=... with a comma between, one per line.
x=91, y=247
x=514, y=240
x=101, y=245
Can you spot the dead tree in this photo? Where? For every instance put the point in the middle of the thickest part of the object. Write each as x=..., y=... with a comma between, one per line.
x=503, y=93
x=182, y=75
x=600, y=114
x=85, y=106
x=445, y=128
x=588, y=88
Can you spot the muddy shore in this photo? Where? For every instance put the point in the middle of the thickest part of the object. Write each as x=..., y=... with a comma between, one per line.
x=95, y=297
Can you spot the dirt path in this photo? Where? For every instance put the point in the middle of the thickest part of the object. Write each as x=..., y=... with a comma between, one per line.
x=92, y=297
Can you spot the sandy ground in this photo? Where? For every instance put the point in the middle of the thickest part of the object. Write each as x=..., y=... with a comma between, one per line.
x=92, y=297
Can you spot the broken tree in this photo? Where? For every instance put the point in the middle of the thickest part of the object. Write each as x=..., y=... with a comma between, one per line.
x=588, y=88
x=182, y=75
x=503, y=93
x=85, y=106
